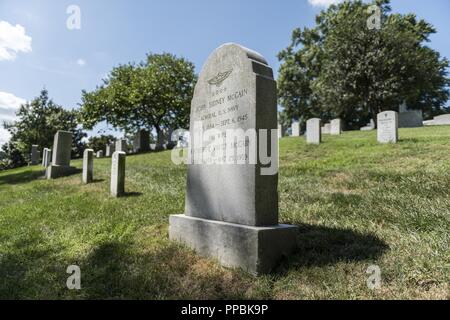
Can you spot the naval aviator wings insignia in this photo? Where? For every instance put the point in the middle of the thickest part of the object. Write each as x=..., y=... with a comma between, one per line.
x=220, y=78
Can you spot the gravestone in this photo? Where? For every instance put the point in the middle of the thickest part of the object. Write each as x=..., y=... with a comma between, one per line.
x=336, y=127
x=100, y=154
x=280, y=131
x=62, y=148
x=121, y=145
x=369, y=127
x=88, y=166
x=34, y=155
x=296, y=129
x=409, y=118
x=110, y=149
x=313, y=131
x=118, y=174
x=231, y=211
x=387, y=125
x=326, y=129
x=141, y=141
x=442, y=120
x=47, y=159
x=44, y=155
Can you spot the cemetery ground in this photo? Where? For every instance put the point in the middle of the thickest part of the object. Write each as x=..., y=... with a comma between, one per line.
x=358, y=203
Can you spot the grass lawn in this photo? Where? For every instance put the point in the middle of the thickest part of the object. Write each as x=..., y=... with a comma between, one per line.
x=357, y=203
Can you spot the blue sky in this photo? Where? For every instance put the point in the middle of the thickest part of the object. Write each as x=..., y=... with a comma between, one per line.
x=37, y=49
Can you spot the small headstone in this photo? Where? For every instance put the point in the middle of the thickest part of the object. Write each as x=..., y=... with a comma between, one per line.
x=47, y=157
x=118, y=174
x=336, y=127
x=88, y=166
x=387, y=125
x=409, y=118
x=34, y=155
x=110, y=149
x=231, y=211
x=141, y=141
x=122, y=145
x=442, y=120
x=44, y=154
x=369, y=127
x=62, y=148
x=100, y=154
x=296, y=129
x=280, y=131
x=326, y=129
x=313, y=131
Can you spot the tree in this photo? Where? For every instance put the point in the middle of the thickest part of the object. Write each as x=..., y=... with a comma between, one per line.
x=37, y=123
x=154, y=94
x=11, y=157
x=342, y=68
x=100, y=143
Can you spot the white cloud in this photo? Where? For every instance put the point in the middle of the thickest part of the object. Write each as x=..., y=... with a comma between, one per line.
x=81, y=62
x=323, y=3
x=13, y=39
x=9, y=104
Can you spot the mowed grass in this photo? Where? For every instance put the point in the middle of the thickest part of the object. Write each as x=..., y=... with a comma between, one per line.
x=357, y=203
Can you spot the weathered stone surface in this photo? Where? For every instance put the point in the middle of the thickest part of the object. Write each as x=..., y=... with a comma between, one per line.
x=48, y=157
x=326, y=129
x=34, y=155
x=280, y=131
x=336, y=127
x=235, y=90
x=313, y=131
x=122, y=145
x=44, y=154
x=443, y=120
x=99, y=154
x=88, y=166
x=296, y=129
x=62, y=148
x=118, y=174
x=110, y=149
x=141, y=141
x=369, y=127
x=387, y=127
x=409, y=118
x=257, y=250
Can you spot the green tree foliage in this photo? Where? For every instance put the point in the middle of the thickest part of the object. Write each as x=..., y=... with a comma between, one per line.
x=154, y=94
x=342, y=68
x=37, y=123
x=11, y=157
x=100, y=143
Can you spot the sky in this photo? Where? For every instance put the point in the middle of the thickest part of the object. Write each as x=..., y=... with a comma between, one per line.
x=42, y=45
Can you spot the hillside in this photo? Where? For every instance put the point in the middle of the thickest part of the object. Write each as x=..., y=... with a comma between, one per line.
x=357, y=203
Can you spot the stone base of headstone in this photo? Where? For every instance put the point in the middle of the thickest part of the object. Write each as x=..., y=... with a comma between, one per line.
x=256, y=250
x=54, y=172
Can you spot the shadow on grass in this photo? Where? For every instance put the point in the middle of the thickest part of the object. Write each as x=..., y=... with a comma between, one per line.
x=321, y=246
x=131, y=194
x=21, y=177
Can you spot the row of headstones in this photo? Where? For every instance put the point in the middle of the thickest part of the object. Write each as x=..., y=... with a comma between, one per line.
x=57, y=163
x=387, y=124
x=333, y=128
x=117, y=171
